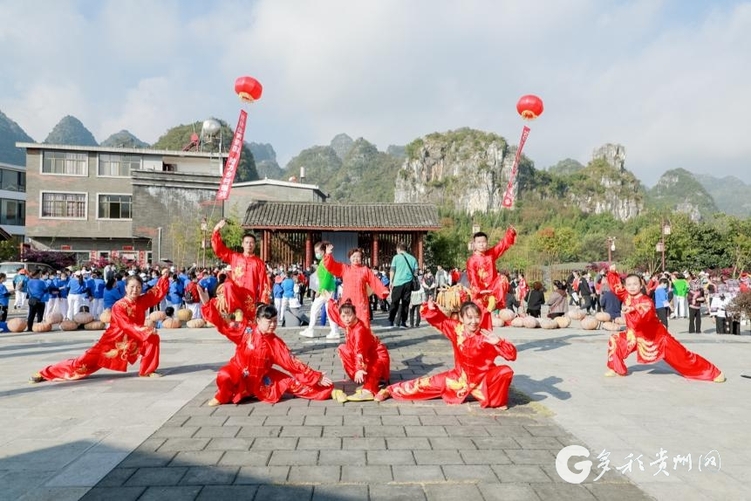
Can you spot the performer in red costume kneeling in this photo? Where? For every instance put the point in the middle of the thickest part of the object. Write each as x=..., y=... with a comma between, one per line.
x=474, y=372
x=250, y=373
x=365, y=359
x=124, y=340
x=646, y=336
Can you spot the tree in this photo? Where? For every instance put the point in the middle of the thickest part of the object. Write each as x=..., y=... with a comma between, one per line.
x=556, y=244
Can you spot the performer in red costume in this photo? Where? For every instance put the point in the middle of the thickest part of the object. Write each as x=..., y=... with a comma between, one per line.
x=646, y=336
x=355, y=280
x=487, y=287
x=248, y=283
x=250, y=373
x=364, y=358
x=124, y=340
x=474, y=372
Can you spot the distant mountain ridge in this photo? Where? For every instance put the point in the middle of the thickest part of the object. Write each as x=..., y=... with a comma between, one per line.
x=124, y=139
x=10, y=134
x=70, y=131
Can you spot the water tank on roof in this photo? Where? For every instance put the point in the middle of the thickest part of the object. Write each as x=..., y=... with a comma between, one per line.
x=210, y=127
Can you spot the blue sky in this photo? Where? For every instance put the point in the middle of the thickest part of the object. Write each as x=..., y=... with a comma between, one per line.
x=668, y=79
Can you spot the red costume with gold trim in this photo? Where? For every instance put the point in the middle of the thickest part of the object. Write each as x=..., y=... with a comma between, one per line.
x=249, y=284
x=474, y=372
x=361, y=351
x=651, y=341
x=121, y=344
x=250, y=372
x=487, y=287
x=355, y=282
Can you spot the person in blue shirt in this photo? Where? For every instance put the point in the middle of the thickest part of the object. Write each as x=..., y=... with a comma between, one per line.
x=111, y=294
x=4, y=298
x=19, y=285
x=96, y=287
x=662, y=302
x=37, y=291
x=208, y=282
x=59, y=294
x=175, y=294
x=77, y=294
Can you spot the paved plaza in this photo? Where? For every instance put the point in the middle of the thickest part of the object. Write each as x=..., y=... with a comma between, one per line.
x=117, y=436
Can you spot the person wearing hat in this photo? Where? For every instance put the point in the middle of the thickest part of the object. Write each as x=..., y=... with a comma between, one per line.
x=125, y=340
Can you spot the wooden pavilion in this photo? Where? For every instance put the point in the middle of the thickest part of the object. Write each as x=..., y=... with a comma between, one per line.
x=287, y=231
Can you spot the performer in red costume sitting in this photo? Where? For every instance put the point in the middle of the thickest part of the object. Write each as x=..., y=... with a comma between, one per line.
x=646, y=336
x=124, y=340
x=248, y=283
x=487, y=287
x=250, y=373
x=355, y=280
x=474, y=372
x=364, y=358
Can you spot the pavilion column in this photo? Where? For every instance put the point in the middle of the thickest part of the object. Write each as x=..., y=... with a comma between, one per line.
x=374, y=250
x=266, y=250
x=418, y=237
x=308, y=249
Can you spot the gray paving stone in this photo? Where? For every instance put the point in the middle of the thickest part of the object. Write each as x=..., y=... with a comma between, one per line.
x=514, y=473
x=321, y=420
x=621, y=492
x=409, y=443
x=359, y=420
x=195, y=408
x=206, y=421
x=301, y=431
x=441, y=456
x=319, y=443
x=563, y=492
x=285, y=420
x=391, y=457
x=230, y=444
x=380, y=492
x=469, y=473
x=314, y=474
x=144, y=460
x=419, y=473
x=539, y=443
x=484, y=457
x=245, y=421
x=414, y=410
x=261, y=409
x=384, y=431
x=156, y=476
x=176, y=432
x=465, y=492
x=151, y=444
x=399, y=420
x=363, y=443
x=496, y=443
x=284, y=492
x=176, y=420
x=425, y=431
x=110, y=494
x=232, y=410
x=366, y=474
x=513, y=431
x=545, y=431
x=245, y=458
x=180, y=493
x=434, y=420
x=184, y=444
x=523, y=456
x=340, y=493
x=452, y=443
x=509, y=492
x=210, y=475
x=339, y=457
x=343, y=431
x=217, y=432
x=274, y=444
x=259, y=431
x=467, y=431
x=221, y=492
x=369, y=409
x=293, y=458
x=262, y=474
x=193, y=458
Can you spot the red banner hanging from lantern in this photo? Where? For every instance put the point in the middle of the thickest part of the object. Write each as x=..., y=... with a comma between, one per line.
x=508, y=197
x=230, y=168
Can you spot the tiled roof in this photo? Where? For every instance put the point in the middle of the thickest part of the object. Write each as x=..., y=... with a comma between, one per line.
x=329, y=216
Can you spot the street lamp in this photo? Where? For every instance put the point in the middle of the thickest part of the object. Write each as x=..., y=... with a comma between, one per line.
x=611, y=248
x=660, y=247
x=204, y=228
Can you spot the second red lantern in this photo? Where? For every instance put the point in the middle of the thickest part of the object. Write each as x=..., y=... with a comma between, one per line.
x=529, y=107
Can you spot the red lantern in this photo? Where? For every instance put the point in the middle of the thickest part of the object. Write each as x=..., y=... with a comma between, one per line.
x=248, y=88
x=529, y=107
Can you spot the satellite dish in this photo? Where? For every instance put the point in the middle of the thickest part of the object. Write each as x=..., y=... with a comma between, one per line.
x=210, y=127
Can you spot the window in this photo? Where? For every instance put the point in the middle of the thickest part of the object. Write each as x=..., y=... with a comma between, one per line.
x=64, y=205
x=11, y=180
x=13, y=212
x=66, y=163
x=115, y=206
x=118, y=165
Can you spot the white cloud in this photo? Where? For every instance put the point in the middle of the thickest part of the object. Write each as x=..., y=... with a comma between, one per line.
x=666, y=81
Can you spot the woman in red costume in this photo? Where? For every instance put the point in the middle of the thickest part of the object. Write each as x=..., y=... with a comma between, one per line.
x=355, y=281
x=248, y=284
x=474, y=372
x=646, y=336
x=487, y=287
x=250, y=372
x=123, y=342
x=364, y=358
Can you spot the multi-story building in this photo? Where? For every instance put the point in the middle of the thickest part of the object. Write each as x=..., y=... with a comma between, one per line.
x=13, y=199
x=128, y=203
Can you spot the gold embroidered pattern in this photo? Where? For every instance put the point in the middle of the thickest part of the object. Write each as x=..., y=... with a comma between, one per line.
x=648, y=350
